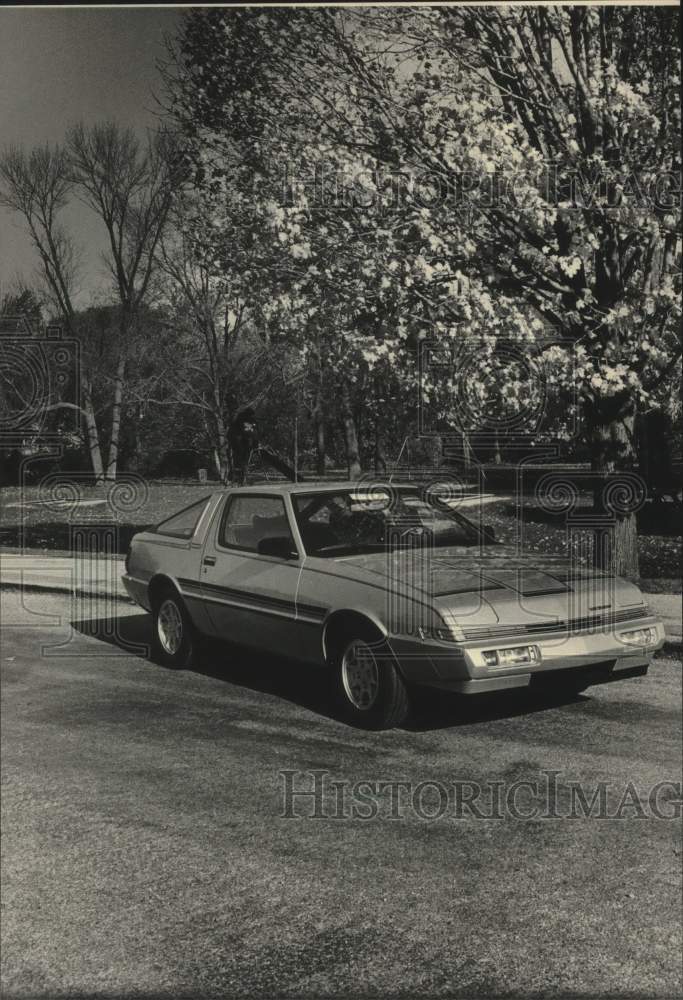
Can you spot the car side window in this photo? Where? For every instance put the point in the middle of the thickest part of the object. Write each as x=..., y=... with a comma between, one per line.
x=249, y=519
x=184, y=523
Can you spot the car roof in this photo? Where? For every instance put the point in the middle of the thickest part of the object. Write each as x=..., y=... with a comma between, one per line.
x=278, y=489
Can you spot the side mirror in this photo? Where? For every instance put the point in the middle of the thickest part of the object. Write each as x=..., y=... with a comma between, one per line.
x=489, y=533
x=280, y=546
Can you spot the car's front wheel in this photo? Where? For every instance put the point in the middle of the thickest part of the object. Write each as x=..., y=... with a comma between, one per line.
x=369, y=688
x=173, y=635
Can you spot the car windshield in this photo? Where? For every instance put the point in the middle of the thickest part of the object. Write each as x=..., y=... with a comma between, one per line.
x=351, y=521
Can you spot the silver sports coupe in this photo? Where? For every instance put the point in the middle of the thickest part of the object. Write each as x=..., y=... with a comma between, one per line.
x=386, y=587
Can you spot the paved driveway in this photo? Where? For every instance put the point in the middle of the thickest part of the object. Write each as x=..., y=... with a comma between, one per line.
x=145, y=850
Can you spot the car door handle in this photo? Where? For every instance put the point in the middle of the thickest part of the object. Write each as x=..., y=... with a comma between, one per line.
x=209, y=560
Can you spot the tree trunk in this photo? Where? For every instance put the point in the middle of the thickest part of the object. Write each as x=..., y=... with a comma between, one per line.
x=497, y=458
x=222, y=451
x=436, y=453
x=133, y=456
x=466, y=450
x=380, y=460
x=623, y=544
x=380, y=456
x=319, y=425
x=350, y=435
x=93, y=436
x=112, y=460
x=614, y=504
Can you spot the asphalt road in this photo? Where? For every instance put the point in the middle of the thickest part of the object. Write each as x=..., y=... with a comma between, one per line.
x=145, y=852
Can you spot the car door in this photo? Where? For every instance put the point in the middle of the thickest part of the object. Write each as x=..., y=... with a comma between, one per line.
x=250, y=596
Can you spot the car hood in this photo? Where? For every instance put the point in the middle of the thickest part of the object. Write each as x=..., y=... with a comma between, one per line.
x=498, y=585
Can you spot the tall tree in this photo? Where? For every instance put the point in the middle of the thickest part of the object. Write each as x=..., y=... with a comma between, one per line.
x=129, y=184
x=527, y=155
x=38, y=185
x=583, y=104
x=226, y=363
x=241, y=149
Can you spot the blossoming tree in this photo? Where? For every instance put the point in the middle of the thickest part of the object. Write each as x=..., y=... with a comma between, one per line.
x=439, y=175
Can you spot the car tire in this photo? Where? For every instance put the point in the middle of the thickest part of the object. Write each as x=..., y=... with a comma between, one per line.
x=369, y=689
x=174, y=637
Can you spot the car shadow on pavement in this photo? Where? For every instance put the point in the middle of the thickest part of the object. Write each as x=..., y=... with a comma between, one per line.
x=434, y=709
x=308, y=686
x=269, y=674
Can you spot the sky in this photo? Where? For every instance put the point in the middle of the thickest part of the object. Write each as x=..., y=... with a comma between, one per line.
x=60, y=66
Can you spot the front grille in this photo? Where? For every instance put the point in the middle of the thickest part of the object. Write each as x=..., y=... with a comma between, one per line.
x=588, y=624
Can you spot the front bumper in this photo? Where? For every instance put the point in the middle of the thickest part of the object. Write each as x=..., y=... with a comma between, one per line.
x=460, y=667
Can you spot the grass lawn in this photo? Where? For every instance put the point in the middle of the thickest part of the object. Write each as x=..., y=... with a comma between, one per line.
x=47, y=520
x=659, y=539
x=37, y=520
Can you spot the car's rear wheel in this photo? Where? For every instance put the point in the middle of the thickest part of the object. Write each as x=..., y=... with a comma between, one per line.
x=173, y=635
x=369, y=689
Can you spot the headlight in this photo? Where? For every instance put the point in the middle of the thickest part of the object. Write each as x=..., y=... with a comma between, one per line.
x=639, y=636
x=511, y=656
x=443, y=633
